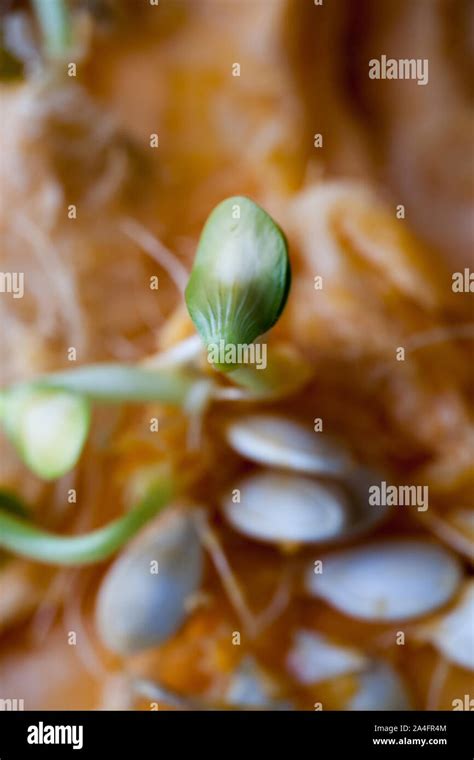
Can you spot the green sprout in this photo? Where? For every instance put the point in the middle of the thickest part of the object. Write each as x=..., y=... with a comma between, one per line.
x=115, y=383
x=47, y=427
x=236, y=292
x=23, y=537
x=48, y=420
x=241, y=276
x=56, y=27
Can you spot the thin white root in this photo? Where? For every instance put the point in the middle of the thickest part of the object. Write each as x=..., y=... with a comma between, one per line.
x=439, y=335
x=437, y=682
x=151, y=245
x=45, y=615
x=183, y=352
x=234, y=394
x=421, y=340
x=276, y=607
x=449, y=534
x=73, y=621
x=63, y=286
x=196, y=404
x=229, y=581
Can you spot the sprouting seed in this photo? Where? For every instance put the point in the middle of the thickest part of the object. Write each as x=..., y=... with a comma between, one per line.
x=47, y=427
x=395, y=580
x=142, y=600
x=286, y=507
x=280, y=442
x=240, y=279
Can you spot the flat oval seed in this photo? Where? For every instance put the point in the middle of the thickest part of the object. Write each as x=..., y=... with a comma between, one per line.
x=453, y=633
x=281, y=507
x=250, y=687
x=142, y=599
x=396, y=580
x=380, y=688
x=314, y=658
x=281, y=442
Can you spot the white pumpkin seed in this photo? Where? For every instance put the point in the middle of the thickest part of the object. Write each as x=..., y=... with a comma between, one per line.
x=453, y=634
x=250, y=687
x=280, y=442
x=142, y=603
x=283, y=507
x=313, y=658
x=380, y=688
x=396, y=580
x=160, y=694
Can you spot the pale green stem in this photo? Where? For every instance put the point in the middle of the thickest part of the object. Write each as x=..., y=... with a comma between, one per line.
x=55, y=23
x=24, y=538
x=3, y=402
x=121, y=382
x=284, y=373
x=253, y=380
